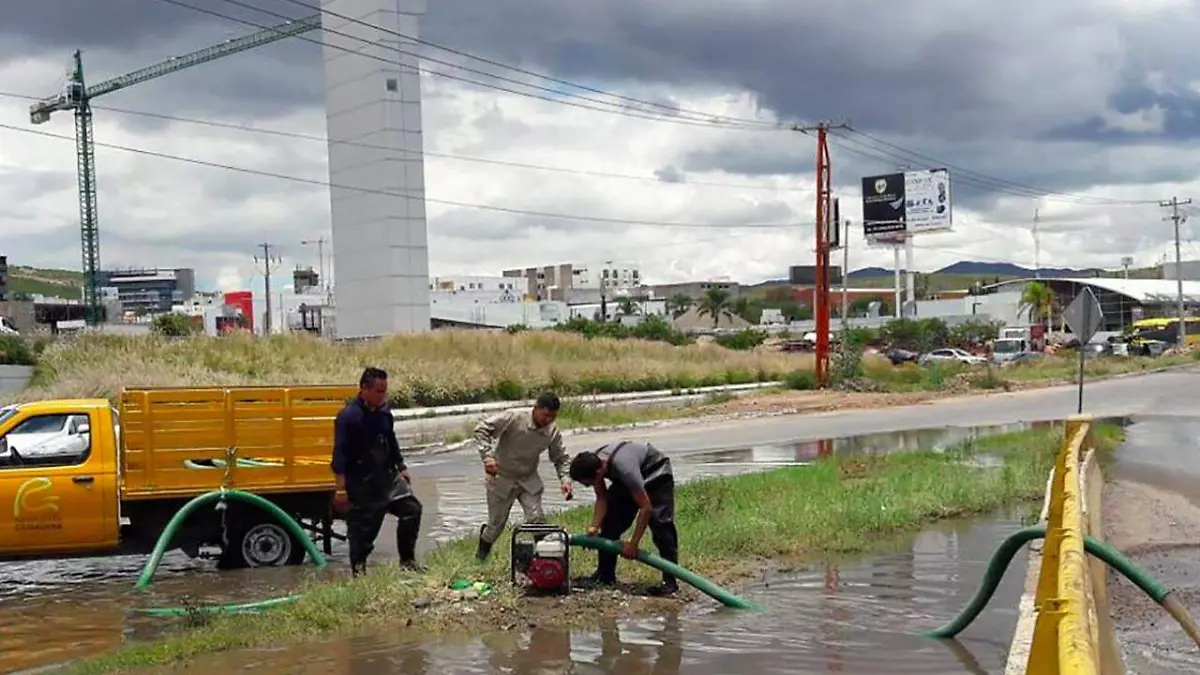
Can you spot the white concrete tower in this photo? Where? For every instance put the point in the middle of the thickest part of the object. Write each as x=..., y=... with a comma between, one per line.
x=373, y=97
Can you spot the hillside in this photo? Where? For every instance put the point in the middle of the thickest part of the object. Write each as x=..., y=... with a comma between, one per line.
x=25, y=281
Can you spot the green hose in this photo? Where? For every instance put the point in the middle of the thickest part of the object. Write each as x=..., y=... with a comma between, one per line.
x=1109, y=555
x=703, y=585
x=164, y=541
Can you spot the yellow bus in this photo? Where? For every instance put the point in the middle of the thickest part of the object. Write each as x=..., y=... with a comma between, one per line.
x=1147, y=331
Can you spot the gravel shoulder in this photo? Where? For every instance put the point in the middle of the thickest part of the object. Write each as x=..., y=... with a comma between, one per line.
x=1159, y=530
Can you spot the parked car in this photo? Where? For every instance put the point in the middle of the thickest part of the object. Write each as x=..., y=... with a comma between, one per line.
x=898, y=356
x=951, y=354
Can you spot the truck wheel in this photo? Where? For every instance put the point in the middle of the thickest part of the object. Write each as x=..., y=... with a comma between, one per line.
x=261, y=542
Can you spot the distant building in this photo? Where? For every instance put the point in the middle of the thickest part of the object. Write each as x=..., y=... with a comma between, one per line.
x=305, y=279
x=1191, y=270
x=3, y=278
x=697, y=289
x=556, y=282
x=150, y=291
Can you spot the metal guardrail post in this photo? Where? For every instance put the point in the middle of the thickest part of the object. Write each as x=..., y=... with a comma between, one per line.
x=1063, y=636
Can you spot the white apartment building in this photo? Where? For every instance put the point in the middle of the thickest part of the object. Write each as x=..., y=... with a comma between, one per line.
x=555, y=282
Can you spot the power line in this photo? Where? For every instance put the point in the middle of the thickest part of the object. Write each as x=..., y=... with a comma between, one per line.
x=1001, y=181
x=966, y=176
x=463, y=158
x=975, y=178
x=404, y=194
x=613, y=111
x=549, y=78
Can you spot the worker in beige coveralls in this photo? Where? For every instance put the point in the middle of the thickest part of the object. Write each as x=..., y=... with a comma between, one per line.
x=510, y=445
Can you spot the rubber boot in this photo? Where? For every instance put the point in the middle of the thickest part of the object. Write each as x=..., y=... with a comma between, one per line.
x=359, y=569
x=667, y=588
x=485, y=548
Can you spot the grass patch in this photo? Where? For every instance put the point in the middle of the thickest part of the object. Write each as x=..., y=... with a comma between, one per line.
x=728, y=527
x=438, y=368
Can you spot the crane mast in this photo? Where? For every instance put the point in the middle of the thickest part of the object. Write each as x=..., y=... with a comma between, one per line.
x=77, y=96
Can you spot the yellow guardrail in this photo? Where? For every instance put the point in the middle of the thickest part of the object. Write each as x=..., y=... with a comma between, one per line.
x=1066, y=633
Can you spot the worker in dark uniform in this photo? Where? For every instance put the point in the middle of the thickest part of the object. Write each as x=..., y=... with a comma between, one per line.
x=372, y=479
x=640, y=492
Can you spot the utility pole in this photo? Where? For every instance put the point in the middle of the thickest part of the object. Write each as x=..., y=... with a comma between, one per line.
x=845, y=282
x=270, y=263
x=1178, y=218
x=1037, y=248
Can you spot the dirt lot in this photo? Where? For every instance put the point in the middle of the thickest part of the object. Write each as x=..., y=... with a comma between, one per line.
x=1160, y=530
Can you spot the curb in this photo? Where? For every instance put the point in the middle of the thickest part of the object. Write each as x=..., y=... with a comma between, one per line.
x=411, y=414
x=436, y=448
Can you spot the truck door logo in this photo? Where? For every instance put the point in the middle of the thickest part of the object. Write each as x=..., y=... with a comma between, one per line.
x=35, y=507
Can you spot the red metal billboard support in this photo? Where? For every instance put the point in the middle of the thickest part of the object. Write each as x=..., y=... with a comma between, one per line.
x=821, y=292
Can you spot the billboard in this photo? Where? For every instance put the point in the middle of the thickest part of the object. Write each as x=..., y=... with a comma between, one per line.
x=806, y=275
x=913, y=202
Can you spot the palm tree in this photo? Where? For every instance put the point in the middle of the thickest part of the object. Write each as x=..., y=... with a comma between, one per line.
x=743, y=308
x=627, y=307
x=679, y=304
x=715, y=303
x=1038, y=300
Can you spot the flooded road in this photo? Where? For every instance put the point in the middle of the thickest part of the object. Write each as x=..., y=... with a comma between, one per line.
x=854, y=618
x=1160, y=451
x=58, y=610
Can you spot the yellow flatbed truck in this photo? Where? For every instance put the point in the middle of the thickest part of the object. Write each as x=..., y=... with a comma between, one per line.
x=81, y=478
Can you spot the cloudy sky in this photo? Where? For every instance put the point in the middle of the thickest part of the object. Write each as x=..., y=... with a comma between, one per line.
x=1085, y=110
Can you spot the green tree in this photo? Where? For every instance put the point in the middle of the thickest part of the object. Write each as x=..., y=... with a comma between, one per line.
x=1038, y=301
x=628, y=307
x=715, y=303
x=746, y=309
x=173, y=325
x=678, y=305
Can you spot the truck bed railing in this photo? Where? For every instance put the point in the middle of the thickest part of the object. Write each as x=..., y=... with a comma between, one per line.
x=262, y=439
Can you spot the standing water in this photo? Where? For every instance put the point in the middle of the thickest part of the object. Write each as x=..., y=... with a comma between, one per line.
x=855, y=618
x=60, y=610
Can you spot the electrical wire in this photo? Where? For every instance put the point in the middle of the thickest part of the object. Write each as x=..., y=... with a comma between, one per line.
x=563, y=101
x=463, y=158
x=965, y=176
x=1019, y=186
x=408, y=194
x=523, y=71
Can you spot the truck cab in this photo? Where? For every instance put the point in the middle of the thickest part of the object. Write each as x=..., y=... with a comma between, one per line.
x=84, y=478
x=58, y=470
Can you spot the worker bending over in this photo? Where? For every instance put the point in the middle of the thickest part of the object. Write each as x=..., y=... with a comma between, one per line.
x=641, y=492
x=510, y=445
x=372, y=478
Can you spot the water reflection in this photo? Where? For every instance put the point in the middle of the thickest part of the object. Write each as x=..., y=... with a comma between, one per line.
x=854, y=617
x=34, y=595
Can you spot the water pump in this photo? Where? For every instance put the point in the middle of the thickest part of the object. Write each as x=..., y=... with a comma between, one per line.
x=541, y=558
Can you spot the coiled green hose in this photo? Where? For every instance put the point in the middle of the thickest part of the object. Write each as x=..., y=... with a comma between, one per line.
x=168, y=534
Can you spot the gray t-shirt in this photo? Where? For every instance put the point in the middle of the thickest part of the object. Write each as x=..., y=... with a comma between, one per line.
x=634, y=464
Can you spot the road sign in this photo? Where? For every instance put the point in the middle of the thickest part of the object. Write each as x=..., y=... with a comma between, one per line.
x=1084, y=316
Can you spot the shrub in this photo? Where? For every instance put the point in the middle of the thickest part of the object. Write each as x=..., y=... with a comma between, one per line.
x=173, y=325
x=426, y=369
x=14, y=351
x=742, y=340
x=803, y=380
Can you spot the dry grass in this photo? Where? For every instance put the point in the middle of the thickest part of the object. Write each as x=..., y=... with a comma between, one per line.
x=442, y=367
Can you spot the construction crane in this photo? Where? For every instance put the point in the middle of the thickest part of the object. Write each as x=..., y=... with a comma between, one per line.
x=77, y=96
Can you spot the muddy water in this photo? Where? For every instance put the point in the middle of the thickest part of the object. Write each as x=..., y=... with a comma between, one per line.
x=854, y=618
x=57, y=610
x=1162, y=452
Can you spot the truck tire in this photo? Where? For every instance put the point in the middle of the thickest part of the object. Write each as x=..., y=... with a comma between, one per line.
x=260, y=541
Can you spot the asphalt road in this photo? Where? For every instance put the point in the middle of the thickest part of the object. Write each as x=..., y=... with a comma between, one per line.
x=1168, y=393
